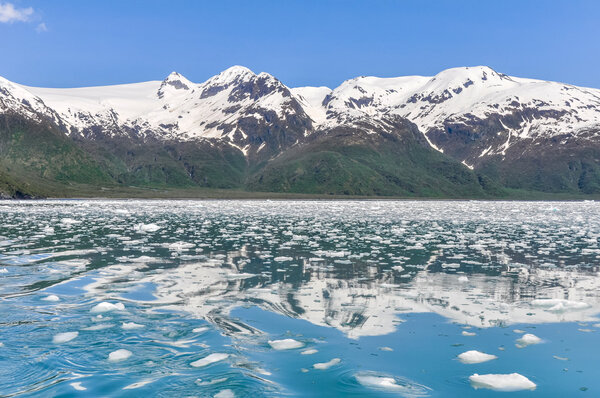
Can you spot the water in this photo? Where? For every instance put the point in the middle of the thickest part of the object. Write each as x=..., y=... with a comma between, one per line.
x=377, y=298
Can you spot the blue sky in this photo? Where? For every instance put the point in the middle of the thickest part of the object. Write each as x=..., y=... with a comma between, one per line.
x=62, y=43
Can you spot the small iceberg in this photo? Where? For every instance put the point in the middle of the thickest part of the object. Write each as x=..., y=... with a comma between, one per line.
x=51, y=297
x=132, y=325
x=528, y=339
x=474, y=356
x=310, y=351
x=64, y=337
x=502, y=382
x=141, y=227
x=285, y=344
x=225, y=394
x=465, y=333
x=283, y=259
x=119, y=355
x=106, y=307
x=327, y=365
x=210, y=359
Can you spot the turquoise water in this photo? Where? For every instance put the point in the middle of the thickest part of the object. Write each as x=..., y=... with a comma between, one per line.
x=299, y=298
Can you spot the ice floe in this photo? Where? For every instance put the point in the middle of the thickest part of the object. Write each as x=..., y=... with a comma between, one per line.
x=141, y=227
x=528, y=339
x=309, y=351
x=106, y=307
x=64, y=337
x=119, y=355
x=285, y=344
x=502, y=382
x=327, y=365
x=387, y=383
x=131, y=325
x=209, y=359
x=225, y=394
x=474, y=356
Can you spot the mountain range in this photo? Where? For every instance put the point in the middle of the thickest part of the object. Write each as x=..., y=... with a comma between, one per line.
x=467, y=132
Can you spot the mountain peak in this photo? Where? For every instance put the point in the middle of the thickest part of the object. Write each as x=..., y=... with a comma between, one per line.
x=234, y=73
x=175, y=82
x=471, y=73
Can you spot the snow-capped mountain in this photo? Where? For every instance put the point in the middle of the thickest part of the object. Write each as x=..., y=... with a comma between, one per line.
x=474, y=100
x=233, y=106
x=237, y=101
x=488, y=121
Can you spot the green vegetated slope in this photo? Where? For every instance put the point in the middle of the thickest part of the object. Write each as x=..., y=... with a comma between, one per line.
x=356, y=163
x=38, y=160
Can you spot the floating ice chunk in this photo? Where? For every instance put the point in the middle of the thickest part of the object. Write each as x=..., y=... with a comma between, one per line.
x=285, y=344
x=378, y=382
x=559, y=305
x=139, y=384
x=327, y=365
x=528, y=339
x=48, y=230
x=465, y=333
x=77, y=385
x=473, y=356
x=283, y=258
x=51, y=297
x=119, y=355
x=402, y=387
x=502, y=382
x=132, y=325
x=463, y=279
x=69, y=221
x=519, y=331
x=3, y=271
x=386, y=349
x=225, y=394
x=560, y=358
x=106, y=307
x=398, y=268
x=64, y=337
x=141, y=227
x=180, y=246
x=207, y=360
x=310, y=351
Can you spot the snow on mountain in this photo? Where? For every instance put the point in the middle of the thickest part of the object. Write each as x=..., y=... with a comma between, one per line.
x=311, y=99
x=244, y=108
x=469, y=96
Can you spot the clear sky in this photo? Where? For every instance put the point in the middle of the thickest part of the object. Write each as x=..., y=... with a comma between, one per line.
x=62, y=43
